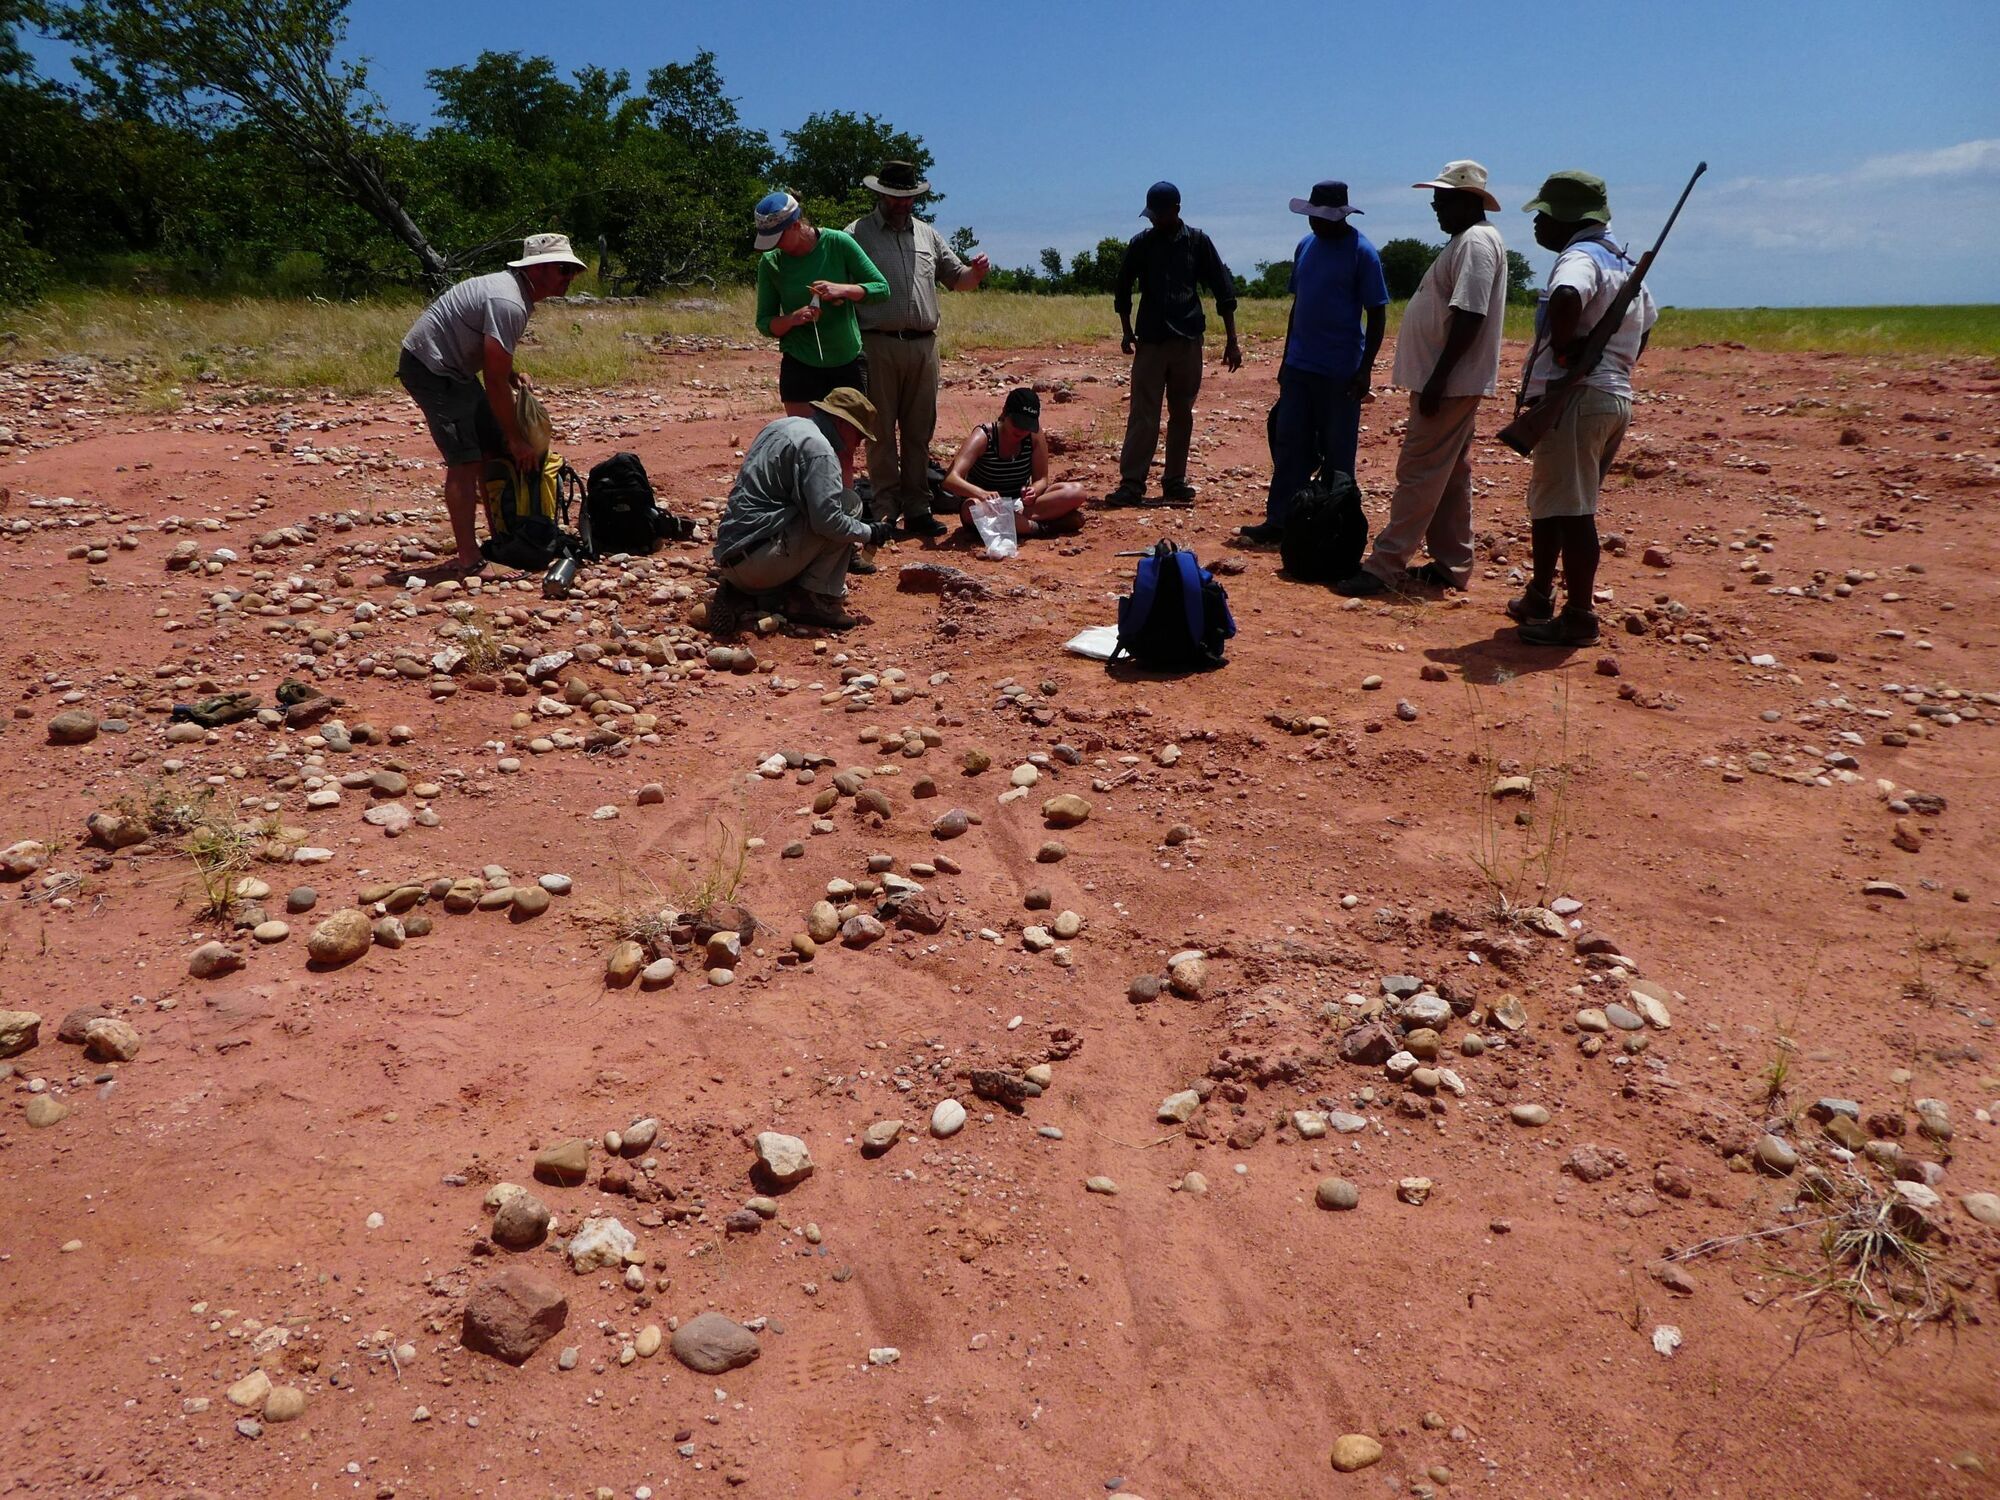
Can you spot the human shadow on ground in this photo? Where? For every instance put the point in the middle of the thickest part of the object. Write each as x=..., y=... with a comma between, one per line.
x=1503, y=657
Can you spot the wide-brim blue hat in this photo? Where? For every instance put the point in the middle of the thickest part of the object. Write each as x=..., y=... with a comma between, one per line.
x=1328, y=201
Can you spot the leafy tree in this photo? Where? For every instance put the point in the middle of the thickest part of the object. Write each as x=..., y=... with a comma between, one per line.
x=964, y=243
x=680, y=192
x=829, y=154
x=1404, y=262
x=1052, y=266
x=1520, y=279
x=1273, y=279
x=503, y=97
x=206, y=64
x=1096, y=270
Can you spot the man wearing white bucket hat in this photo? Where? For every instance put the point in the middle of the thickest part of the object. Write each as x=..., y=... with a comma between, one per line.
x=469, y=332
x=1448, y=358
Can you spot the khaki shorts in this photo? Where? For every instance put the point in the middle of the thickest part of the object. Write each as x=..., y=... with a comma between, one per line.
x=1571, y=462
x=462, y=424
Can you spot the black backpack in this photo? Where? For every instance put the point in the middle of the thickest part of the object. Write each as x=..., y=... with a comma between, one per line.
x=1325, y=531
x=620, y=513
x=1176, y=618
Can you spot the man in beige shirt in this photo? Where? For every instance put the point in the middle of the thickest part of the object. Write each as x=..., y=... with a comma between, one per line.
x=899, y=338
x=1448, y=359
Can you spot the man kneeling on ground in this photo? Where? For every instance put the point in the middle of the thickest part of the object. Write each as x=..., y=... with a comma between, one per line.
x=1009, y=460
x=794, y=520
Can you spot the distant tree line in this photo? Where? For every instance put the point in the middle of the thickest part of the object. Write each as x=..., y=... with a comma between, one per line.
x=226, y=145
x=1404, y=262
x=223, y=144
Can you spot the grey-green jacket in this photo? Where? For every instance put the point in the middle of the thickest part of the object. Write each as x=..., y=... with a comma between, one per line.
x=790, y=467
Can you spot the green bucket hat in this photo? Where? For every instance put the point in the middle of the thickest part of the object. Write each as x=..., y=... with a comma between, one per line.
x=1572, y=198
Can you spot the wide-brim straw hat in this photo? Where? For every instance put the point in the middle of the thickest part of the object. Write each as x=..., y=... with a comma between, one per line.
x=546, y=250
x=1464, y=177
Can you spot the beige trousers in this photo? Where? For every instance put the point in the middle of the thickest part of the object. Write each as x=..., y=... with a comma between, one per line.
x=1433, y=499
x=903, y=384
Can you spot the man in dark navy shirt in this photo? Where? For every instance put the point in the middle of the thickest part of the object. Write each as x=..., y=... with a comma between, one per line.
x=1336, y=279
x=1170, y=261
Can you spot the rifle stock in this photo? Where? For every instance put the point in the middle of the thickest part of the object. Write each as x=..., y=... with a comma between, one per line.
x=1534, y=423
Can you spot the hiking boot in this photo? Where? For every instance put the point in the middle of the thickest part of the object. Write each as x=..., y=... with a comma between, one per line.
x=727, y=608
x=863, y=560
x=922, y=526
x=1532, y=607
x=1263, y=534
x=1573, y=627
x=1363, y=585
x=1126, y=495
x=828, y=611
x=1176, y=492
x=1433, y=573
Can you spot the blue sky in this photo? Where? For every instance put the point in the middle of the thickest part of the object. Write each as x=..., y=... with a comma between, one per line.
x=1854, y=148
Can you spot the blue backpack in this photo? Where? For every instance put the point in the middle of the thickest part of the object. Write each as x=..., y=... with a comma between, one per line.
x=1176, y=618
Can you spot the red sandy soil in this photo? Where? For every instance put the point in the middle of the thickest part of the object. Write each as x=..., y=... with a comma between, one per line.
x=1052, y=1341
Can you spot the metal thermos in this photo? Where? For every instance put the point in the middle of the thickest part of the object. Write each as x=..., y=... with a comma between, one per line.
x=561, y=574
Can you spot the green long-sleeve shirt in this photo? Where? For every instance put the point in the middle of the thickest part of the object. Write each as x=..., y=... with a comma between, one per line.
x=784, y=285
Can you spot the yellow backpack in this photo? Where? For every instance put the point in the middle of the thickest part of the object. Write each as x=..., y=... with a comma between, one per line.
x=527, y=513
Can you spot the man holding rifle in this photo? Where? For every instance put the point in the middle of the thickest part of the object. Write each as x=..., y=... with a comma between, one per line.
x=1571, y=460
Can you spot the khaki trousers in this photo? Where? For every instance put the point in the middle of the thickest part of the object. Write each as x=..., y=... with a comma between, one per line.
x=1433, y=499
x=903, y=384
x=1171, y=368
x=800, y=555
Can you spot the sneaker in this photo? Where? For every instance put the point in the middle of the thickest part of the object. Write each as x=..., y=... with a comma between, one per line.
x=1433, y=574
x=827, y=611
x=1573, y=627
x=1176, y=492
x=1263, y=534
x=1532, y=607
x=1363, y=585
x=922, y=526
x=1125, y=495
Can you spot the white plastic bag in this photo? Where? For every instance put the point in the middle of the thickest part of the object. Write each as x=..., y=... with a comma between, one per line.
x=994, y=521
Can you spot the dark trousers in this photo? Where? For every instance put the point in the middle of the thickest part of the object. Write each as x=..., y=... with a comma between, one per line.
x=1315, y=427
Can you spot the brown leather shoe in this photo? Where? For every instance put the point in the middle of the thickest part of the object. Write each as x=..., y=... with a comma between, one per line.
x=828, y=611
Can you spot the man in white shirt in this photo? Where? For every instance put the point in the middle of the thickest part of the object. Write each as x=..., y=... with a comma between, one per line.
x=1571, y=213
x=1448, y=358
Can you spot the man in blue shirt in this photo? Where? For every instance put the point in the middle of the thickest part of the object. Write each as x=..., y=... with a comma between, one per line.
x=1336, y=278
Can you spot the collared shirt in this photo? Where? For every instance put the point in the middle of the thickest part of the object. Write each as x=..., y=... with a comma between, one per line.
x=1595, y=267
x=1168, y=269
x=450, y=337
x=1470, y=273
x=789, y=467
x=913, y=260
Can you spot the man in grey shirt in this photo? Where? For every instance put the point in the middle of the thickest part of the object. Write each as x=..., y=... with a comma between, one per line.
x=470, y=331
x=899, y=338
x=793, y=519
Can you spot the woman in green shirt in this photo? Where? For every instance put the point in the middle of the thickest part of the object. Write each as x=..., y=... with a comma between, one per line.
x=818, y=274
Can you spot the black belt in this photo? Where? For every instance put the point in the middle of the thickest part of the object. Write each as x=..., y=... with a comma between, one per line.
x=903, y=333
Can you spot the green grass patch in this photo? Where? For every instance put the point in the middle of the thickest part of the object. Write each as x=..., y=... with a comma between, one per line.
x=1972, y=329
x=166, y=346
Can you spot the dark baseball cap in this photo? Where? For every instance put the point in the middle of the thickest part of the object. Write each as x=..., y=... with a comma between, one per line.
x=1023, y=409
x=1161, y=195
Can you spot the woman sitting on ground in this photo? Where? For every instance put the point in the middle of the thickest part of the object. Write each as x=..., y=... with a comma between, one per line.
x=1009, y=459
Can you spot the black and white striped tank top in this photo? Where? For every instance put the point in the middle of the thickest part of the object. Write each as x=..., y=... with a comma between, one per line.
x=1004, y=476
